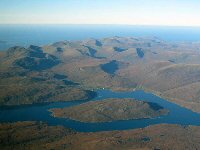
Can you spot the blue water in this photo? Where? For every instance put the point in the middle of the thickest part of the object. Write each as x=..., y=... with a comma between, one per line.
x=24, y=35
x=177, y=115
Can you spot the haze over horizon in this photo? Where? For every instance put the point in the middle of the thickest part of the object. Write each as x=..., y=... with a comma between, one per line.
x=126, y=12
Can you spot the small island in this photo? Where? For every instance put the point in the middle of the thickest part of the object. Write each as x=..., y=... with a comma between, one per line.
x=110, y=110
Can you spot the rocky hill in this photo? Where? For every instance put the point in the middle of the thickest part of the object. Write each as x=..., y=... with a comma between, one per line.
x=170, y=70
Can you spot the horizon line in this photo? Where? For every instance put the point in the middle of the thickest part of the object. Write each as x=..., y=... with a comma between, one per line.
x=147, y=25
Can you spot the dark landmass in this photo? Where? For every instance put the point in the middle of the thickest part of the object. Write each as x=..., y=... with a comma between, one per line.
x=33, y=58
x=140, y=52
x=110, y=110
x=110, y=67
x=118, y=49
x=38, y=135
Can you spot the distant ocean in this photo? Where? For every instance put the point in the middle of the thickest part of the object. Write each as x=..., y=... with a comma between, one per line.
x=24, y=35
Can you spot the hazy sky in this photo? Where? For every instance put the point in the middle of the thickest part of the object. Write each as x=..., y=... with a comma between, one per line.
x=136, y=12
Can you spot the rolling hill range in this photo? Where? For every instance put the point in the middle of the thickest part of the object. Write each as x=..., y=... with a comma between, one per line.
x=68, y=70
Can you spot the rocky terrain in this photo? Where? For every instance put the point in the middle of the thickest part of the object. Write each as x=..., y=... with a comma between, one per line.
x=170, y=70
x=110, y=110
x=25, y=78
x=38, y=135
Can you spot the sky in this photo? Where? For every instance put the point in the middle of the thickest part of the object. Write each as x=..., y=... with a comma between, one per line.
x=128, y=12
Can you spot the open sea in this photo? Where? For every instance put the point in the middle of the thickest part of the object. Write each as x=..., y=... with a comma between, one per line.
x=25, y=35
